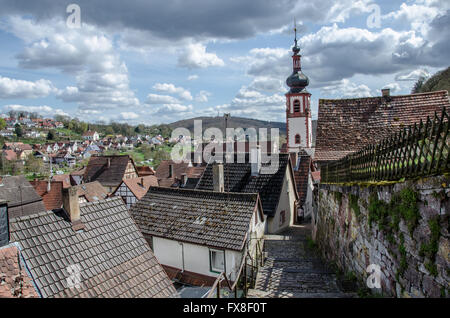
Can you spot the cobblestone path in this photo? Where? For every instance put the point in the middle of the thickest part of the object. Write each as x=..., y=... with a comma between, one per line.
x=291, y=269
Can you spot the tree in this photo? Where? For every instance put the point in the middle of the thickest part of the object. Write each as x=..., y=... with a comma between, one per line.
x=51, y=135
x=33, y=164
x=418, y=85
x=18, y=130
x=2, y=124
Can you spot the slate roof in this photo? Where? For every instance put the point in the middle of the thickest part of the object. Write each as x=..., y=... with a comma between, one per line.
x=21, y=201
x=53, y=198
x=347, y=125
x=237, y=178
x=14, y=280
x=139, y=186
x=97, y=169
x=114, y=258
x=214, y=219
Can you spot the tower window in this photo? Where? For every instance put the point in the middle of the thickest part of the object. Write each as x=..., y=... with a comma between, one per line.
x=296, y=106
x=297, y=139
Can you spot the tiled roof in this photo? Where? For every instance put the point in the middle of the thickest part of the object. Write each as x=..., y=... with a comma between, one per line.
x=53, y=198
x=237, y=178
x=145, y=171
x=347, y=125
x=64, y=178
x=113, y=256
x=91, y=191
x=301, y=175
x=214, y=219
x=21, y=197
x=14, y=280
x=139, y=186
x=97, y=169
x=10, y=154
x=193, y=171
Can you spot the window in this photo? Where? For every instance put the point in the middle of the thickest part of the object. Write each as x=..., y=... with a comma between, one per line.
x=297, y=139
x=296, y=106
x=217, y=260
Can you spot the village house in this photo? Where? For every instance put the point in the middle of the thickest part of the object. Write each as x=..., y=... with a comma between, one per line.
x=91, y=135
x=20, y=196
x=196, y=235
x=132, y=190
x=276, y=187
x=98, y=242
x=15, y=282
x=347, y=125
x=90, y=192
x=110, y=170
x=183, y=174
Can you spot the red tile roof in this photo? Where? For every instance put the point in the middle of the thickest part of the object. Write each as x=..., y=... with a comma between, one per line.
x=64, y=178
x=139, y=186
x=14, y=281
x=53, y=198
x=347, y=125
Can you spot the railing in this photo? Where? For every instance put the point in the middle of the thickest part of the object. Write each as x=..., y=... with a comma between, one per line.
x=246, y=276
x=418, y=150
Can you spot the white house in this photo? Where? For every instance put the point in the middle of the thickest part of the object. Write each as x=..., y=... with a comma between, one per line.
x=91, y=135
x=197, y=235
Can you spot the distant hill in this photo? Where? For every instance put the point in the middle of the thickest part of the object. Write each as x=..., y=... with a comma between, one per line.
x=439, y=81
x=235, y=122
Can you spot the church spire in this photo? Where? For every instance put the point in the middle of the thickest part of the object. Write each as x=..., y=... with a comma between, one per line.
x=297, y=81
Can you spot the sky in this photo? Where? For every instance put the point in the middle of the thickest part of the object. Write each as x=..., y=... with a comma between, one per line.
x=158, y=61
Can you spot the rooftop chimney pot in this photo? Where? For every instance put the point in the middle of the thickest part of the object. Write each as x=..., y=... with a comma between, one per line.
x=72, y=207
x=255, y=160
x=170, y=170
x=218, y=180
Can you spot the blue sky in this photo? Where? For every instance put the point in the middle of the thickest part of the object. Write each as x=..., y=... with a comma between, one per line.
x=160, y=61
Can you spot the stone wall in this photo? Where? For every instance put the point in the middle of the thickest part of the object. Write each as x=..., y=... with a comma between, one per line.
x=402, y=227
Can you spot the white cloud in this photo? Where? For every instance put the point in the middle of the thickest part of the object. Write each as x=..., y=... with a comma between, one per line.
x=394, y=87
x=192, y=77
x=129, y=115
x=172, y=89
x=413, y=75
x=41, y=110
x=195, y=56
x=202, y=96
x=161, y=99
x=87, y=53
x=345, y=88
x=13, y=88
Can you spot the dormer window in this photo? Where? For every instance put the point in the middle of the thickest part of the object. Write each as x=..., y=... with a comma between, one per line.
x=296, y=106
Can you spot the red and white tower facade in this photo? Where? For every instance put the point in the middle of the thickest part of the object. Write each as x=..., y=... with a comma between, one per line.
x=298, y=106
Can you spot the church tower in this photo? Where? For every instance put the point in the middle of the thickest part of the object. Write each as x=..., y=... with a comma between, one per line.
x=298, y=106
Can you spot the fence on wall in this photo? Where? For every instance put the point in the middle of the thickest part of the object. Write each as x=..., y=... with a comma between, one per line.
x=418, y=150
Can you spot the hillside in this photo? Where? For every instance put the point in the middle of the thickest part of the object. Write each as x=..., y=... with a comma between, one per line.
x=439, y=81
x=234, y=122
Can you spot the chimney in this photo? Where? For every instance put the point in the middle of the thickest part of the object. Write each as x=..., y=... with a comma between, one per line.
x=72, y=207
x=49, y=186
x=4, y=224
x=386, y=92
x=255, y=160
x=108, y=164
x=171, y=171
x=142, y=182
x=218, y=184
